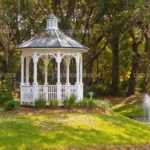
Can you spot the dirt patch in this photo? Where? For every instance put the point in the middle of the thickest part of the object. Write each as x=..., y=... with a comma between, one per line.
x=33, y=111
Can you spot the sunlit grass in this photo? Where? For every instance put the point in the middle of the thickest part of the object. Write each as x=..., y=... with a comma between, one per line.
x=131, y=106
x=129, y=110
x=69, y=131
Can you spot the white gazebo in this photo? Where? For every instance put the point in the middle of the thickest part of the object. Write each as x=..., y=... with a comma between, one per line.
x=50, y=44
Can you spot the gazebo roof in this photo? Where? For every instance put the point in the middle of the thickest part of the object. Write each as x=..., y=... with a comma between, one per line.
x=52, y=37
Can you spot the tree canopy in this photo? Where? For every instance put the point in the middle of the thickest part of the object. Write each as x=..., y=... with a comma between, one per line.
x=117, y=33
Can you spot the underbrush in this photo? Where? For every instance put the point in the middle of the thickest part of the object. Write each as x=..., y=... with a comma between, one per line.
x=6, y=95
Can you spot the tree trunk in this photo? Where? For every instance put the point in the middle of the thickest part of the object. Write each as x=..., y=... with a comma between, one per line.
x=147, y=49
x=115, y=64
x=134, y=69
x=89, y=78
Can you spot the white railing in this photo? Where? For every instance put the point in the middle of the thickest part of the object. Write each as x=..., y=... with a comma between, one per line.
x=26, y=94
x=48, y=92
x=68, y=90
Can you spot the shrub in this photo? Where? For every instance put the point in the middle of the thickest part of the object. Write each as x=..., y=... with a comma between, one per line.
x=40, y=103
x=87, y=103
x=10, y=105
x=53, y=103
x=69, y=102
x=98, y=89
x=104, y=104
x=5, y=92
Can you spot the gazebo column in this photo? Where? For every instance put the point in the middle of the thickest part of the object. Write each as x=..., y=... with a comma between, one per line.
x=67, y=61
x=58, y=60
x=27, y=70
x=35, y=83
x=81, y=82
x=77, y=76
x=22, y=70
x=22, y=79
x=46, y=61
x=67, y=70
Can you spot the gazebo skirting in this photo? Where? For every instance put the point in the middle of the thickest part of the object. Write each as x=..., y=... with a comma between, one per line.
x=29, y=93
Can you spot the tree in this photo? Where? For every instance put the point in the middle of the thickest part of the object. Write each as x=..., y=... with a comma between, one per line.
x=136, y=41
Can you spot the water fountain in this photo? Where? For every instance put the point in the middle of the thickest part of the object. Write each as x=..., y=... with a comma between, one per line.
x=146, y=105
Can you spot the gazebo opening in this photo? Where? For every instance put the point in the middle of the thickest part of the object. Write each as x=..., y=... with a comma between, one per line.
x=51, y=65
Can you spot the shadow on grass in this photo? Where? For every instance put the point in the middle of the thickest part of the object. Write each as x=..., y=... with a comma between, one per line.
x=45, y=132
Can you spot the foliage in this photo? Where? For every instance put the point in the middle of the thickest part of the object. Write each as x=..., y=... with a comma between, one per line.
x=40, y=103
x=95, y=24
x=130, y=106
x=69, y=102
x=99, y=89
x=131, y=111
x=87, y=103
x=53, y=103
x=6, y=91
x=104, y=104
x=74, y=131
x=10, y=105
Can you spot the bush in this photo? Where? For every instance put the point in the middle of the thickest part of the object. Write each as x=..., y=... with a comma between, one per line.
x=98, y=89
x=87, y=103
x=53, y=103
x=69, y=102
x=40, y=103
x=5, y=92
x=104, y=104
x=10, y=105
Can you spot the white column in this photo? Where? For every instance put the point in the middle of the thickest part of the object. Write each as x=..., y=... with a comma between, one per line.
x=22, y=79
x=46, y=61
x=78, y=94
x=67, y=89
x=58, y=60
x=67, y=70
x=35, y=60
x=27, y=70
x=81, y=82
x=77, y=68
x=81, y=68
x=22, y=70
x=35, y=83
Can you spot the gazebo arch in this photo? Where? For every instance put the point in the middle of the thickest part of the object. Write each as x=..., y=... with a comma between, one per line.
x=51, y=43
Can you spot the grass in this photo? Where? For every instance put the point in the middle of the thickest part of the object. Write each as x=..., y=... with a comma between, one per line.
x=70, y=131
x=131, y=106
x=129, y=110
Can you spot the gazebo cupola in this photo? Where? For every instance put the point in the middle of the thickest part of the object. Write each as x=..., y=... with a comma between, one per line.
x=47, y=45
x=52, y=22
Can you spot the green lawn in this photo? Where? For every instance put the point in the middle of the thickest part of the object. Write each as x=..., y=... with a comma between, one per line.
x=129, y=110
x=69, y=131
x=131, y=106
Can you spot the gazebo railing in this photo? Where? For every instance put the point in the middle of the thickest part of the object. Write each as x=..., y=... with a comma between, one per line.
x=26, y=94
x=49, y=92
x=68, y=90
